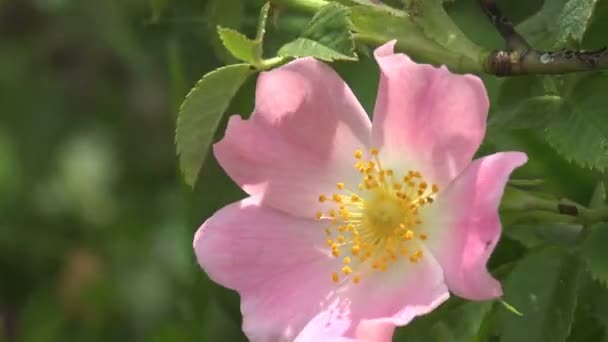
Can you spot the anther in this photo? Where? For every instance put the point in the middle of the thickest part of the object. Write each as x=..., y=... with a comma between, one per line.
x=335, y=277
x=322, y=198
x=340, y=185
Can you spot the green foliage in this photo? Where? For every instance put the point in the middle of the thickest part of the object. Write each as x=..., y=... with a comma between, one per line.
x=456, y=321
x=558, y=23
x=532, y=112
x=595, y=253
x=200, y=115
x=543, y=287
x=437, y=25
x=574, y=21
x=327, y=36
x=239, y=46
x=97, y=226
x=304, y=47
x=243, y=48
x=368, y=21
x=579, y=130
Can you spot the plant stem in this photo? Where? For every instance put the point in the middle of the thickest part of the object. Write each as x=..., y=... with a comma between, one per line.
x=520, y=58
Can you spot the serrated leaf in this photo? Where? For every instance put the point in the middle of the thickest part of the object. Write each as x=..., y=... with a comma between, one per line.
x=200, y=113
x=243, y=48
x=543, y=286
x=593, y=250
x=579, y=130
x=557, y=23
x=574, y=21
x=240, y=46
x=439, y=26
x=327, y=36
x=371, y=22
x=532, y=112
x=303, y=47
x=331, y=27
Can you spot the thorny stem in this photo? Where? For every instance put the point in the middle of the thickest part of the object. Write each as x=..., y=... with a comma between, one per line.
x=520, y=58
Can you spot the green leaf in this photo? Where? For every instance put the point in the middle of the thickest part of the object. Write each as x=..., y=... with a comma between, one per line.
x=457, y=320
x=579, y=130
x=201, y=112
x=243, y=48
x=532, y=112
x=574, y=21
x=437, y=25
x=593, y=250
x=558, y=23
x=543, y=286
x=369, y=22
x=590, y=312
x=303, y=47
x=378, y=6
x=327, y=36
x=240, y=46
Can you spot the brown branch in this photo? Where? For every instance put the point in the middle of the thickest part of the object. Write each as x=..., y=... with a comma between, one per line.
x=520, y=58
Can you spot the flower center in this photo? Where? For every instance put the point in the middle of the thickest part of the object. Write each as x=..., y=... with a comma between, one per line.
x=377, y=224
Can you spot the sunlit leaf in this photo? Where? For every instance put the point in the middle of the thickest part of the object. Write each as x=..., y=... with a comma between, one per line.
x=558, y=23
x=303, y=47
x=327, y=36
x=201, y=112
x=239, y=45
x=243, y=48
x=438, y=26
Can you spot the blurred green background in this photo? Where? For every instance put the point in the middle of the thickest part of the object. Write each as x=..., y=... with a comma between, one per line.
x=96, y=225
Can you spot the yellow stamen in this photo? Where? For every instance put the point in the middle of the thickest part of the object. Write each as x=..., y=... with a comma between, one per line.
x=377, y=224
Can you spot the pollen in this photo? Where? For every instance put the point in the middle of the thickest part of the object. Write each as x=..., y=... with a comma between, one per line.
x=376, y=224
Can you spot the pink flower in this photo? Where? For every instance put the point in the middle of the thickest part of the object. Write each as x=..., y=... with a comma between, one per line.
x=351, y=228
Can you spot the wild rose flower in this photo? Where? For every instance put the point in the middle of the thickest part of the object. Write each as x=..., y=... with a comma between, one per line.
x=351, y=228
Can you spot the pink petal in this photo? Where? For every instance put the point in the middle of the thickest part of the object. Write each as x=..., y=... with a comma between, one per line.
x=467, y=225
x=370, y=310
x=300, y=139
x=279, y=265
x=282, y=269
x=428, y=115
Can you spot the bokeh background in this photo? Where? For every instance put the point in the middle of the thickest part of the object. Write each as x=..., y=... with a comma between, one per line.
x=96, y=225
